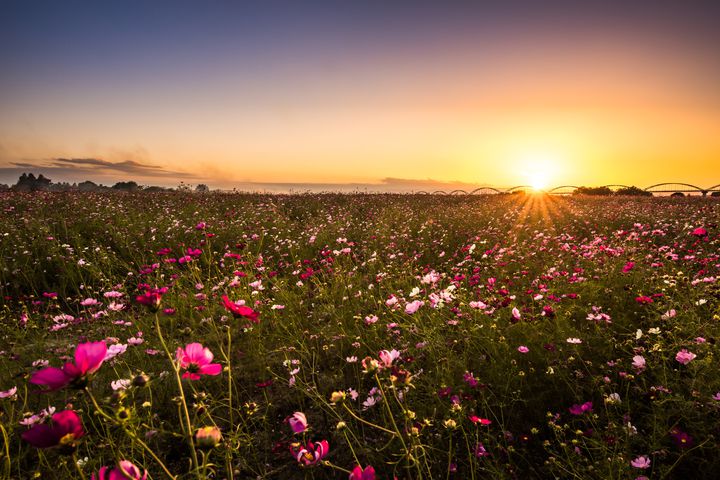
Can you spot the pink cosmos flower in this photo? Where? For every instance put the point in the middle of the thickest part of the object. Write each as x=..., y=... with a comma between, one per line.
x=298, y=422
x=516, y=313
x=641, y=462
x=684, y=356
x=628, y=266
x=125, y=471
x=63, y=430
x=523, y=349
x=195, y=360
x=480, y=451
x=638, y=363
x=8, y=393
x=359, y=474
x=88, y=359
x=413, y=306
x=387, y=357
x=586, y=407
x=240, y=310
x=311, y=453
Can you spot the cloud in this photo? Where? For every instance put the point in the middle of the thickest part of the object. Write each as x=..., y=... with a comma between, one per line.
x=128, y=166
x=95, y=169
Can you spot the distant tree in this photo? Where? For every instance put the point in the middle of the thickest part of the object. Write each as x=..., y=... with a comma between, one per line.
x=677, y=194
x=633, y=191
x=87, y=186
x=202, y=188
x=4, y=188
x=29, y=183
x=597, y=191
x=126, y=186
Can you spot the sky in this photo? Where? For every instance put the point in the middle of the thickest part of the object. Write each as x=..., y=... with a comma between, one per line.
x=361, y=94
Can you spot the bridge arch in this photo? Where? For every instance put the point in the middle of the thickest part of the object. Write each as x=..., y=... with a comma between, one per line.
x=439, y=192
x=690, y=188
x=518, y=188
x=458, y=192
x=484, y=190
x=556, y=190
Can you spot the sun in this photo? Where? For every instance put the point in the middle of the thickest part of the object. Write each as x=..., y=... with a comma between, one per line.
x=538, y=182
x=538, y=170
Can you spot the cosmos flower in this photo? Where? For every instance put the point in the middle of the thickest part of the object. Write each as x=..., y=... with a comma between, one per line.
x=298, y=422
x=523, y=349
x=586, y=407
x=638, y=363
x=311, y=453
x=195, y=360
x=239, y=311
x=480, y=451
x=387, y=357
x=641, y=462
x=64, y=429
x=124, y=471
x=151, y=298
x=358, y=473
x=684, y=356
x=413, y=306
x=88, y=359
x=681, y=439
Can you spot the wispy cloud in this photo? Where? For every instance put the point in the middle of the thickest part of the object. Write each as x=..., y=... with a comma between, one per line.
x=78, y=169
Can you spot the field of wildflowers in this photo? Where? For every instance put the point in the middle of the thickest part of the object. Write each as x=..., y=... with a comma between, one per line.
x=358, y=336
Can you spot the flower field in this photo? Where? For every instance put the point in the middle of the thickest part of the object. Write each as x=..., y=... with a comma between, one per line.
x=235, y=336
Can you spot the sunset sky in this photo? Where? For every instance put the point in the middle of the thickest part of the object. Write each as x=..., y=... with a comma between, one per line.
x=225, y=93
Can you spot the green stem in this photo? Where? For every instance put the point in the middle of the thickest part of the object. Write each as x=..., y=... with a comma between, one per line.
x=327, y=463
x=188, y=423
x=370, y=424
x=77, y=466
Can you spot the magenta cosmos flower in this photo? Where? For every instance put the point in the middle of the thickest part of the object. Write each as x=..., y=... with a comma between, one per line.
x=63, y=430
x=298, y=422
x=88, y=359
x=240, y=310
x=359, y=474
x=195, y=360
x=311, y=453
x=124, y=471
x=151, y=298
x=586, y=407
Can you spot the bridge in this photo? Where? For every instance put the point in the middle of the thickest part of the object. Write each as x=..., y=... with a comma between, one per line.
x=669, y=188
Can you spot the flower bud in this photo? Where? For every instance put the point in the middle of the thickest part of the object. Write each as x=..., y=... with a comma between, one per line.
x=337, y=397
x=208, y=437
